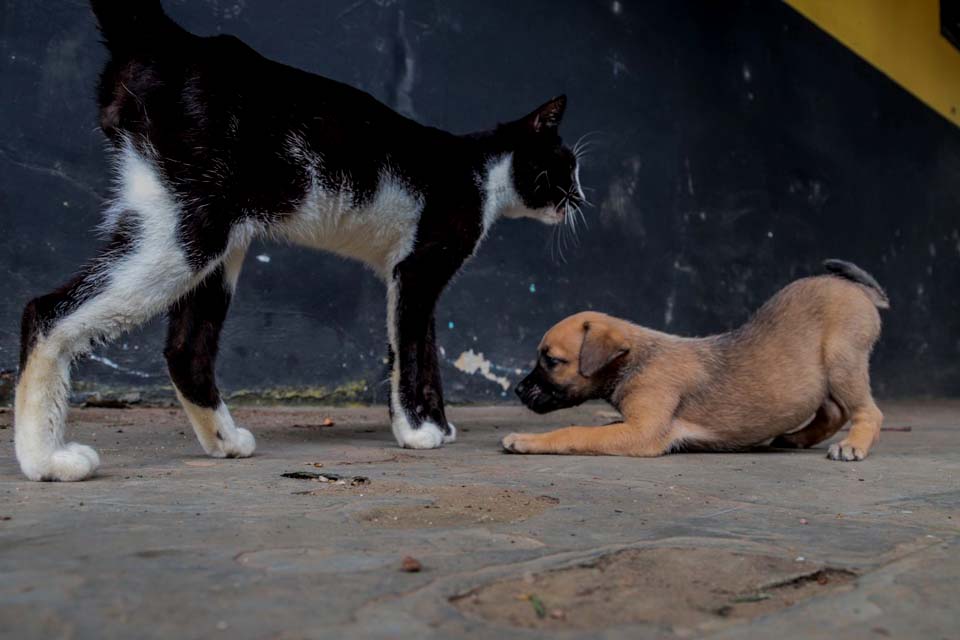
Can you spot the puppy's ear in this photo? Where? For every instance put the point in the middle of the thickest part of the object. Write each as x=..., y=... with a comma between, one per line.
x=602, y=345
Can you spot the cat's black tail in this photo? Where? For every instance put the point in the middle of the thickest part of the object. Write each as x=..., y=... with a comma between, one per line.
x=134, y=26
x=853, y=273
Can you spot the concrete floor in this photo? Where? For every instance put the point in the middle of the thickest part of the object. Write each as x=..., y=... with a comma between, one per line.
x=165, y=543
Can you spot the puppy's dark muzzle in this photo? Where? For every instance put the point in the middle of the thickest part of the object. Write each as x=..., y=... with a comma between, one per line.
x=539, y=395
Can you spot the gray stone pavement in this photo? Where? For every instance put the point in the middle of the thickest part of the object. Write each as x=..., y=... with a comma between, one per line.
x=166, y=543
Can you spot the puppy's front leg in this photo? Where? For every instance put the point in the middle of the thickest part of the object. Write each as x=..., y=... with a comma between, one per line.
x=645, y=431
x=622, y=439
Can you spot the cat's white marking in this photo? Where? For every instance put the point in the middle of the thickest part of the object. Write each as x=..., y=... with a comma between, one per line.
x=499, y=194
x=208, y=424
x=141, y=283
x=379, y=233
x=240, y=238
x=500, y=197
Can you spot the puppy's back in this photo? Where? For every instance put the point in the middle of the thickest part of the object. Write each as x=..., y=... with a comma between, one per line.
x=770, y=374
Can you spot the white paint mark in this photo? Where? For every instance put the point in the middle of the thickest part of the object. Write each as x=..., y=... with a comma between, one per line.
x=264, y=258
x=473, y=363
x=686, y=164
x=618, y=66
x=616, y=8
x=668, y=312
x=747, y=74
x=113, y=365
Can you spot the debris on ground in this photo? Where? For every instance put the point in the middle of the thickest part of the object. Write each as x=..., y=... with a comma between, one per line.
x=122, y=401
x=310, y=475
x=536, y=603
x=752, y=597
x=336, y=478
x=326, y=422
x=410, y=565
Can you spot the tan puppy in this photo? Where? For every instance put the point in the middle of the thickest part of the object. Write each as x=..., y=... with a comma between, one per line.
x=805, y=354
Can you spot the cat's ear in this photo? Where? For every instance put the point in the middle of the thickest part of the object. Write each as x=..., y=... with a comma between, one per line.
x=547, y=117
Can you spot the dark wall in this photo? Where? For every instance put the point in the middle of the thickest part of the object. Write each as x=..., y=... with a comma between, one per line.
x=736, y=146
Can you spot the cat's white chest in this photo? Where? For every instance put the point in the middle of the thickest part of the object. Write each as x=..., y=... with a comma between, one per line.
x=379, y=232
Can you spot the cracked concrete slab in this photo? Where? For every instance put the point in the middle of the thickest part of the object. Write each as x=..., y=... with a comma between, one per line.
x=168, y=543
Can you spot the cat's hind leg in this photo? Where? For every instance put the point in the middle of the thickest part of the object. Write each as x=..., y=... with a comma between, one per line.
x=141, y=273
x=193, y=337
x=133, y=280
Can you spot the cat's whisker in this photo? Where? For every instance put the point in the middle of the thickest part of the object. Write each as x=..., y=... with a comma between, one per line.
x=556, y=250
x=585, y=138
x=536, y=181
x=583, y=219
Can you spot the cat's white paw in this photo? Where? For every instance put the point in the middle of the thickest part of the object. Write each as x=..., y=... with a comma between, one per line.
x=427, y=436
x=452, y=436
x=71, y=463
x=238, y=443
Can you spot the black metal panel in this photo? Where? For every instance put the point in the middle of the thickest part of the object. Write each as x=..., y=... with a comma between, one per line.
x=737, y=146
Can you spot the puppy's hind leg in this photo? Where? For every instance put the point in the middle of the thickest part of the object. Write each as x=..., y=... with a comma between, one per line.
x=829, y=419
x=851, y=387
x=193, y=337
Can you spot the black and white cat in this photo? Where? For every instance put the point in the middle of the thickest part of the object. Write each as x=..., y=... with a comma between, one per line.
x=214, y=146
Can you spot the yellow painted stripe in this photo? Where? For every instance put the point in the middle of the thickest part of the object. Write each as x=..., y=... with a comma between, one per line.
x=901, y=38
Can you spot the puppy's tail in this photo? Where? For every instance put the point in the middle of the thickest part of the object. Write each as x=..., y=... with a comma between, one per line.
x=133, y=26
x=853, y=273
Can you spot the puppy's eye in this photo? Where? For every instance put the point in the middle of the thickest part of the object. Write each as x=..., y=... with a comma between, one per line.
x=550, y=362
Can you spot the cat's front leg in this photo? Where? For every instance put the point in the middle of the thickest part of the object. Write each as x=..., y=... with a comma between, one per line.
x=416, y=398
x=430, y=386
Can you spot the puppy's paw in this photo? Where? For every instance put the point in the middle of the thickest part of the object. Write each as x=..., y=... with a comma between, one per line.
x=846, y=451
x=517, y=443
